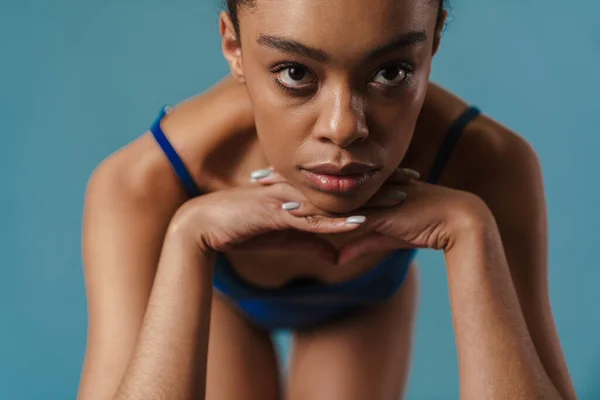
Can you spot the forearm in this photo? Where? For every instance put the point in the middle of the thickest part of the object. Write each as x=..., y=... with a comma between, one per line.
x=169, y=361
x=497, y=357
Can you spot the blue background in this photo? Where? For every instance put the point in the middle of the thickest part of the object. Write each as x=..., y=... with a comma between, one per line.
x=82, y=78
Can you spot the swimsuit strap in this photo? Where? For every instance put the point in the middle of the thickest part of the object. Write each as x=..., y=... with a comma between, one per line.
x=450, y=141
x=442, y=158
x=174, y=158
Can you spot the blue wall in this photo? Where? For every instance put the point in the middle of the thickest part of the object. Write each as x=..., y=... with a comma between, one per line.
x=80, y=79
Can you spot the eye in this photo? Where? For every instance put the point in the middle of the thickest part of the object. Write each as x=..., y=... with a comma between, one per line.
x=294, y=76
x=391, y=75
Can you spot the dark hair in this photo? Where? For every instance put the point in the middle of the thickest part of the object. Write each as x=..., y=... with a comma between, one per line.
x=234, y=5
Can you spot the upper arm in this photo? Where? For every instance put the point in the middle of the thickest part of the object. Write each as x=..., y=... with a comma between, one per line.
x=510, y=182
x=130, y=200
x=126, y=216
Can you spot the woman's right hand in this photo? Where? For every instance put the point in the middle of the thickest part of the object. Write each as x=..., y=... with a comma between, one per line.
x=259, y=217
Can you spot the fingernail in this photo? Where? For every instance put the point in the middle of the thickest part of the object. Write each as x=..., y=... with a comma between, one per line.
x=411, y=173
x=292, y=205
x=397, y=195
x=259, y=174
x=356, y=220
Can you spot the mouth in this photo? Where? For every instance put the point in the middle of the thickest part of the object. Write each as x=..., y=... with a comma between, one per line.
x=334, y=178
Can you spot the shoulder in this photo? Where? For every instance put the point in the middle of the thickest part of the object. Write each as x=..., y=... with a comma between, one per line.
x=135, y=179
x=502, y=168
x=487, y=153
x=493, y=162
x=491, y=155
x=210, y=130
x=199, y=129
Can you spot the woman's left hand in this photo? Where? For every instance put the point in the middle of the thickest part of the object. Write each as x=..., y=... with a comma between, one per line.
x=429, y=216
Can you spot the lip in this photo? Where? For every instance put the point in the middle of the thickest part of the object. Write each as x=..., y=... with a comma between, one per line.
x=334, y=178
x=352, y=168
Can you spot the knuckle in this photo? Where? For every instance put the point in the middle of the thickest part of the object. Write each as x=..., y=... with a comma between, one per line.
x=279, y=219
x=279, y=189
x=313, y=220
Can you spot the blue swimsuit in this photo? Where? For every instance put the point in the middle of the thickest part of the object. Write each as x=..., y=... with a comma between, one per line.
x=306, y=303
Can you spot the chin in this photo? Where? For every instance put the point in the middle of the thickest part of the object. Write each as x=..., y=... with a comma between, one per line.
x=338, y=193
x=337, y=203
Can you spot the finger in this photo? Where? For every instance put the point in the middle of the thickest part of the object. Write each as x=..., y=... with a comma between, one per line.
x=284, y=192
x=306, y=217
x=323, y=224
x=302, y=215
x=266, y=176
x=391, y=195
x=387, y=196
x=304, y=209
x=294, y=202
x=404, y=175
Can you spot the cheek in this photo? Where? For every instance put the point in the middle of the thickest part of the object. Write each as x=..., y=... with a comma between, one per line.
x=282, y=128
x=281, y=133
x=393, y=124
x=275, y=125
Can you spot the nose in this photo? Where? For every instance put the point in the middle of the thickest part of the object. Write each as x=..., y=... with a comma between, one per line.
x=342, y=121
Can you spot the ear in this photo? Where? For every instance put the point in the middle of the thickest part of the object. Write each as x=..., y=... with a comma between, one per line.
x=231, y=46
x=441, y=23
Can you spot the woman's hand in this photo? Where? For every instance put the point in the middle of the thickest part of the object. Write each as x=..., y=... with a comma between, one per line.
x=407, y=213
x=271, y=216
x=431, y=216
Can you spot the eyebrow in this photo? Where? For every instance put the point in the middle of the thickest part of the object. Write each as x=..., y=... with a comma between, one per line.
x=294, y=47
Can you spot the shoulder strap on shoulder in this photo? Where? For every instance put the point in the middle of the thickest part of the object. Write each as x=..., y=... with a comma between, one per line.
x=449, y=143
x=174, y=158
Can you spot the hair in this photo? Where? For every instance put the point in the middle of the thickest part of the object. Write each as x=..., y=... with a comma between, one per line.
x=233, y=7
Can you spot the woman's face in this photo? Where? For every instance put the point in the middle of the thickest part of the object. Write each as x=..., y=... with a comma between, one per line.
x=336, y=87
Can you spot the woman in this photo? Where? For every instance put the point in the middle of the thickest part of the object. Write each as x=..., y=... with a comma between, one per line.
x=331, y=114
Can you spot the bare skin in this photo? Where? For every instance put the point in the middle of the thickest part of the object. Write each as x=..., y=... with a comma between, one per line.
x=132, y=213
x=130, y=205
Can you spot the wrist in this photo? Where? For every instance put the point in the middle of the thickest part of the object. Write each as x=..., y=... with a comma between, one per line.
x=475, y=244
x=185, y=236
x=471, y=222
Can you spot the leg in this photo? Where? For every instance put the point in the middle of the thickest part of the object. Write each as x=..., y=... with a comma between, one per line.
x=365, y=356
x=241, y=358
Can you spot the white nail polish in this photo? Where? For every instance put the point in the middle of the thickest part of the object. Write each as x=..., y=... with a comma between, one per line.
x=411, y=173
x=292, y=205
x=397, y=195
x=260, y=174
x=356, y=220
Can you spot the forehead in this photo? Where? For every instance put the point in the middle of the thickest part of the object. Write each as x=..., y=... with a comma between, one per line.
x=335, y=25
